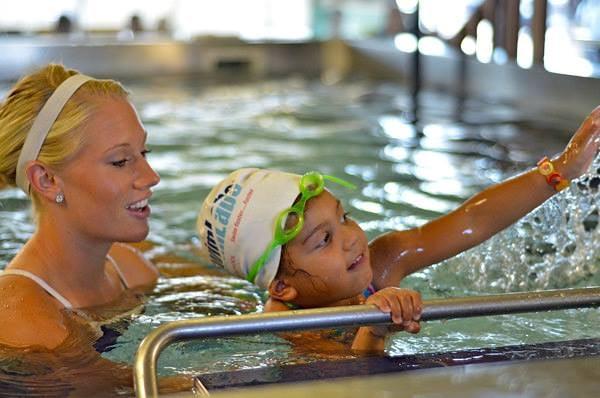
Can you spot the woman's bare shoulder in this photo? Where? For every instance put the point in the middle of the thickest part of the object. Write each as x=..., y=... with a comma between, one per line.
x=29, y=316
x=137, y=269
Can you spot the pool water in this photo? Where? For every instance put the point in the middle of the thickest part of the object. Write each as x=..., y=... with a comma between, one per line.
x=406, y=174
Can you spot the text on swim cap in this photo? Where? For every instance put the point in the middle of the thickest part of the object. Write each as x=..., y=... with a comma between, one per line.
x=215, y=236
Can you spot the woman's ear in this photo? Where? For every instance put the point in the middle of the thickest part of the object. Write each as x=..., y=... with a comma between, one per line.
x=43, y=181
x=280, y=289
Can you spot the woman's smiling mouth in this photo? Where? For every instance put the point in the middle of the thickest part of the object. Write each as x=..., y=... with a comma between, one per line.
x=139, y=209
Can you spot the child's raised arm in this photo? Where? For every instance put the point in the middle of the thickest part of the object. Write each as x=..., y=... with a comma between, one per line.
x=397, y=254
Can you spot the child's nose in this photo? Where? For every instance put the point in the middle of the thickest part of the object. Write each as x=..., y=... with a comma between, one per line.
x=350, y=238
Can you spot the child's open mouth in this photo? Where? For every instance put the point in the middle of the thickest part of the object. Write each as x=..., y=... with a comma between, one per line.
x=357, y=261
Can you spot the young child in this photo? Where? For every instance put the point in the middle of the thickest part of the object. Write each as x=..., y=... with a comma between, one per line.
x=290, y=236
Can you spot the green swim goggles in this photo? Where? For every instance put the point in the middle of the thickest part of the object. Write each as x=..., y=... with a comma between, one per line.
x=311, y=185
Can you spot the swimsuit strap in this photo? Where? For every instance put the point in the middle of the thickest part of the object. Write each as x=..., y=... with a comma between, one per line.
x=43, y=284
x=116, y=267
x=50, y=289
x=134, y=251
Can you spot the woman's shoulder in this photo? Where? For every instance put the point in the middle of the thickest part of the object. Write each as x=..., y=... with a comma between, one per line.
x=28, y=315
x=136, y=269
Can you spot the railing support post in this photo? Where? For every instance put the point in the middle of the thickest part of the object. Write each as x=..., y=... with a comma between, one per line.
x=538, y=30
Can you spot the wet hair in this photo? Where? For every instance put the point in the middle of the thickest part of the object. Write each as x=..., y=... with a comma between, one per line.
x=65, y=138
x=287, y=268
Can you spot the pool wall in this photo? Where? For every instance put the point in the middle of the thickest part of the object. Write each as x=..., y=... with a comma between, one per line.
x=556, y=95
x=144, y=59
x=373, y=365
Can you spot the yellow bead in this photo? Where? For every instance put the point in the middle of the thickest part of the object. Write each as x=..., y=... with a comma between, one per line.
x=546, y=168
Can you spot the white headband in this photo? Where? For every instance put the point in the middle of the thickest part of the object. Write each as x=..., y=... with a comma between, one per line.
x=42, y=124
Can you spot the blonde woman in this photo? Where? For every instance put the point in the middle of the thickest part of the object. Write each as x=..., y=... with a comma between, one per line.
x=76, y=147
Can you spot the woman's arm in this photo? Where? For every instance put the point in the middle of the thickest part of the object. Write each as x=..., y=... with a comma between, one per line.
x=397, y=254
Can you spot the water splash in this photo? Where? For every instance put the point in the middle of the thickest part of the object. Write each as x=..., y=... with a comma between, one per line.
x=555, y=246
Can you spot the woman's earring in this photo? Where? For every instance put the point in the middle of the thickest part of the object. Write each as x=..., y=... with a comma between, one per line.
x=60, y=197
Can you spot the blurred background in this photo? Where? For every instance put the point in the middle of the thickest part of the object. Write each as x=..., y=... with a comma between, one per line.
x=570, y=44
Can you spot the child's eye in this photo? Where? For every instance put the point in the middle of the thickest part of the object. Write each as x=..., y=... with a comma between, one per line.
x=324, y=240
x=345, y=217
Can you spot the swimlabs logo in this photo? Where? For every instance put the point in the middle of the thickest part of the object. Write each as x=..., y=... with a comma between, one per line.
x=222, y=210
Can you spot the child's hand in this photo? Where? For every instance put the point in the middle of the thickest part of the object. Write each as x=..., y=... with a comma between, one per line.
x=582, y=148
x=405, y=306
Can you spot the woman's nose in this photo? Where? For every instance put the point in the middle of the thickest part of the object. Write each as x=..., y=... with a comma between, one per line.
x=147, y=177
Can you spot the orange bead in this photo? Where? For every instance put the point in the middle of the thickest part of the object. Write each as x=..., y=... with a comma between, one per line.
x=562, y=184
x=553, y=178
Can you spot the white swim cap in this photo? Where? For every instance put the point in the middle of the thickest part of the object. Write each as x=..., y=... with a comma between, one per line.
x=237, y=220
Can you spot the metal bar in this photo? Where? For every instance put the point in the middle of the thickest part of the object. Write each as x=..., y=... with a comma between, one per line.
x=498, y=19
x=513, y=23
x=150, y=348
x=538, y=30
x=417, y=70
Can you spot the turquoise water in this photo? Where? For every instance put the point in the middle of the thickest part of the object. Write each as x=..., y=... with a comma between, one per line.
x=407, y=175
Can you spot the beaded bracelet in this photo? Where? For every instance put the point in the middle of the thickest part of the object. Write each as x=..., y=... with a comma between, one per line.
x=553, y=177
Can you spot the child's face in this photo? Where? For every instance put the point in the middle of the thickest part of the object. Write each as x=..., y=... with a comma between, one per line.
x=333, y=250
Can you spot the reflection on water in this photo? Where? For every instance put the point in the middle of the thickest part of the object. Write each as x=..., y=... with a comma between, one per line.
x=406, y=175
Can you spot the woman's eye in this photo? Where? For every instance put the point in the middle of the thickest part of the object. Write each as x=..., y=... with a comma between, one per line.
x=346, y=217
x=119, y=163
x=145, y=152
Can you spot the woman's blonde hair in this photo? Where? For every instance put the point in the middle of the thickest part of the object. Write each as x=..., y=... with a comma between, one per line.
x=65, y=138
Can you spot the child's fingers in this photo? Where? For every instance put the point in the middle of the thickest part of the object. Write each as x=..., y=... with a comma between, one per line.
x=396, y=308
x=417, y=305
x=380, y=302
x=412, y=326
x=406, y=306
x=387, y=301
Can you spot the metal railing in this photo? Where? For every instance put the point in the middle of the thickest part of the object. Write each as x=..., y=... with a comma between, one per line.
x=145, y=377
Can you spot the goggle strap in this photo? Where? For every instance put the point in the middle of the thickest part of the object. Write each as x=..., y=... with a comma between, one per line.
x=255, y=269
x=339, y=181
x=260, y=263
